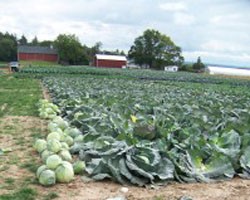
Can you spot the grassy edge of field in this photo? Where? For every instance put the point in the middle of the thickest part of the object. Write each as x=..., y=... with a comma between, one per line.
x=21, y=126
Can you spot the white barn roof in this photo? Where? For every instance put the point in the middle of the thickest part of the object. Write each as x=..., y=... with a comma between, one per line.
x=111, y=57
x=229, y=71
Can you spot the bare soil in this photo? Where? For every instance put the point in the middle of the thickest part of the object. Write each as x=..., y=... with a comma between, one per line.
x=17, y=134
x=45, y=93
x=5, y=70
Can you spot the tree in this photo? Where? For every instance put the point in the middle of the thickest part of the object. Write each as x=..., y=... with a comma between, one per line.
x=23, y=40
x=46, y=43
x=8, y=47
x=70, y=49
x=35, y=41
x=155, y=50
x=198, y=66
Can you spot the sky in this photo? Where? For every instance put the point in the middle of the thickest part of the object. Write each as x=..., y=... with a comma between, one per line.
x=216, y=30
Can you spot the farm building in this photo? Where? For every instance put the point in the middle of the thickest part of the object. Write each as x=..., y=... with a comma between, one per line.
x=213, y=70
x=110, y=61
x=38, y=53
x=171, y=68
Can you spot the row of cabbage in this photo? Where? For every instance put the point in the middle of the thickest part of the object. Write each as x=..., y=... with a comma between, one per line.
x=142, y=132
x=39, y=72
x=54, y=150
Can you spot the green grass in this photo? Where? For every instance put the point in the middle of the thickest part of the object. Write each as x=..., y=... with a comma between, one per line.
x=22, y=194
x=51, y=195
x=9, y=180
x=3, y=64
x=18, y=97
x=31, y=165
x=38, y=63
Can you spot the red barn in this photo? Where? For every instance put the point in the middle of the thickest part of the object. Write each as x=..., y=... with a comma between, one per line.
x=110, y=61
x=38, y=53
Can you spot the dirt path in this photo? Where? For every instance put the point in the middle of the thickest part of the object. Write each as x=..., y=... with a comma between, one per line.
x=17, y=169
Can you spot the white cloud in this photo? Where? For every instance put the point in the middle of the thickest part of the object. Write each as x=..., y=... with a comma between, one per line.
x=221, y=46
x=219, y=58
x=218, y=27
x=183, y=19
x=177, y=6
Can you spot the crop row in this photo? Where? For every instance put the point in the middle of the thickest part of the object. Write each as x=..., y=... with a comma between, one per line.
x=144, y=131
x=39, y=72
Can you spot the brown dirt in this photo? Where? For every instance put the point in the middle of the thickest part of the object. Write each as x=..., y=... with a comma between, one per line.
x=5, y=70
x=236, y=189
x=45, y=93
x=16, y=133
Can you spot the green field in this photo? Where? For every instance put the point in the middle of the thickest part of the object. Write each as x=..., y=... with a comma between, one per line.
x=3, y=64
x=138, y=127
x=200, y=125
x=19, y=96
x=38, y=64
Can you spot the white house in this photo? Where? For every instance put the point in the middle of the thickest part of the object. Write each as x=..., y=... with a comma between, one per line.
x=173, y=68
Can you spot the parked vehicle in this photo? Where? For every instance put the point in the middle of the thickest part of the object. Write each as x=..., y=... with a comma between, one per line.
x=14, y=66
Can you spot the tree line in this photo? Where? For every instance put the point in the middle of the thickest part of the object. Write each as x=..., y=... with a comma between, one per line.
x=152, y=49
x=69, y=47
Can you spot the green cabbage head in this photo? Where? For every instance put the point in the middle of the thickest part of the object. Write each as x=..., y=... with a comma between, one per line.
x=64, y=172
x=54, y=145
x=47, y=177
x=65, y=155
x=79, y=167
x=40, y=145
x=53, y=161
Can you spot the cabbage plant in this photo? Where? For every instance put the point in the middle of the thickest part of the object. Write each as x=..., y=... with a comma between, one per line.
x=64, y=172
x=79, y=167
x=53, y=161
x=54, y=145
x=40, y=145
x=47, y=178
x=65, y=155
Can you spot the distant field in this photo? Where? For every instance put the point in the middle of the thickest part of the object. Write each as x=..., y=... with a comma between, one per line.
x=3, y=64
x=38, y=63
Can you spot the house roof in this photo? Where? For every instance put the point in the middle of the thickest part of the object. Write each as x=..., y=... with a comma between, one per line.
x=111, y=57
x=36, y=49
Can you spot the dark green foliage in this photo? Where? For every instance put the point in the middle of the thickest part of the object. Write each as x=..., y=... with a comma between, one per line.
x=23, y=40
x=70, y=49
x=198, y=66
x=34, y=41
x=8, y=47
x=199, y=129
x=155, y=50
x=40, y=72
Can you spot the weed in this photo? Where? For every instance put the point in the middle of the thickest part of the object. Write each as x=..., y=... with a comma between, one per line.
x=9, y=181
x=51, y=195
x=22, y=194
x=31, y=165
x=3, y=168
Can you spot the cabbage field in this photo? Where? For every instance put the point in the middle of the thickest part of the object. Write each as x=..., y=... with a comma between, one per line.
x=151, y=127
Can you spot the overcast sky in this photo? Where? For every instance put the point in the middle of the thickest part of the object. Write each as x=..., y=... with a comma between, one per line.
x=216, y=30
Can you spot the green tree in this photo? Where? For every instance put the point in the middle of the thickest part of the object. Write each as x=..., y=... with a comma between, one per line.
x=8, y=47
x=70, y=49
x=35, y=41
x=198, y=66
x=155, y=50
x=46, y=43
x=23, y=40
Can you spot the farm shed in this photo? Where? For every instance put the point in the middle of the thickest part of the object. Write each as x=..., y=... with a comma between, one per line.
x=38, y=53
x=171, y=68
x=213, y=70
x=110, y=61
